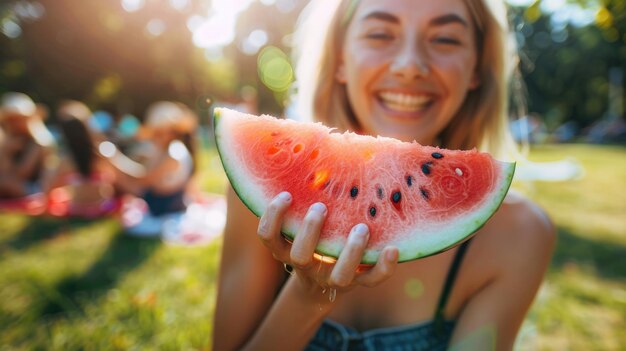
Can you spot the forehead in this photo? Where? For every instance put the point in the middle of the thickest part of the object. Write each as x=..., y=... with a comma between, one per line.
x=412, y=11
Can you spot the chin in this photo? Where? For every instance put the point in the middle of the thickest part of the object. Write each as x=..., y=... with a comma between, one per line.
x=407, y=136
x=405, y=129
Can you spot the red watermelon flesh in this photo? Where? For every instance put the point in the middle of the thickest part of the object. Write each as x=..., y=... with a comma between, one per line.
x=420, y=199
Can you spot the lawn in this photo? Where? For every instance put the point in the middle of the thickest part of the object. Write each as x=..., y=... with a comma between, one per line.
x=72, y=284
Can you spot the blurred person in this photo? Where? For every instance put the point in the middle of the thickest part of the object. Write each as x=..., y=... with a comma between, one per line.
x=161, y=180
x=25, y=147
x=82, y=183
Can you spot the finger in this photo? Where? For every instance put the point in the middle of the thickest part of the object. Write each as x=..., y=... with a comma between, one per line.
x=350, y=257
x=305, y=241
x=270, y=224
x=384, y=268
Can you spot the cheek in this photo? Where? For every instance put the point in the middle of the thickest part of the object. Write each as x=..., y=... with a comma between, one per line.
x=363, y=67
x=357, y=76
x=458, y=75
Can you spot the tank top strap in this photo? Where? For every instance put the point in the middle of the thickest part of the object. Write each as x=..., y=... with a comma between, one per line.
x=449, y=283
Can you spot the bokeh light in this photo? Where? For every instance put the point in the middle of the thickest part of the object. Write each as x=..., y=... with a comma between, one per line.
x=107, y=148
x=194, y=22
x=29, y=10
x=179, y=4
x=156, y=27
x=129, y=125
x=561, y=11
x=215, y=31
x=133, y=5
x=251, y=44
x=275, y=69
x=10, y=28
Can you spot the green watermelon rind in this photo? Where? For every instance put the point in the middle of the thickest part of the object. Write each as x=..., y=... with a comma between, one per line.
x=429, y=244
x=252, y=201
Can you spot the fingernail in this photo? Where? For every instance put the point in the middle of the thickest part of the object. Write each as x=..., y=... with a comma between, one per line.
x=285, y=196
x=319, y=208
x=361, y=231
x=392, y=255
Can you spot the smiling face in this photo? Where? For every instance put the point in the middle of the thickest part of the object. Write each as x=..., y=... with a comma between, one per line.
x=408, y=65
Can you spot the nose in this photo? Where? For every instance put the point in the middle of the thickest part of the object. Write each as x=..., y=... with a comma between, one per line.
x=410, y=63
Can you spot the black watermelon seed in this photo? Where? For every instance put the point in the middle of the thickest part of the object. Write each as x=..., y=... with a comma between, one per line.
x=396, y=197
x=354, y=192
x=379, y=192
x=372, y=211
x=436, y=155
x=424, y=193
x=409, y=180
x=426, y=168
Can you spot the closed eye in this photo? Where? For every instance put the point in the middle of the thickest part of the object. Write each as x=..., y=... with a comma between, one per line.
x=447, y=41
x=379, y=36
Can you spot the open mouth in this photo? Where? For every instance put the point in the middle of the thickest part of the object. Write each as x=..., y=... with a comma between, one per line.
x=405, y=102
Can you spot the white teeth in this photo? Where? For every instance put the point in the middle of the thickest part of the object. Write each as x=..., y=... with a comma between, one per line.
x=404, y=102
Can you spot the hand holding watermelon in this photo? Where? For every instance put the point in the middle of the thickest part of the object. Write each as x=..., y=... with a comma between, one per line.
x=318, y=273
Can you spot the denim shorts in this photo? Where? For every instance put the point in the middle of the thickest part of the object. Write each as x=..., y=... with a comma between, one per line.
x=414, y=337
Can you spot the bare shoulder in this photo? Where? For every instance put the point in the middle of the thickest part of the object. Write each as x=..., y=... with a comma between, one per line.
x=509, y=257
x=520, y=234
x=526, y=220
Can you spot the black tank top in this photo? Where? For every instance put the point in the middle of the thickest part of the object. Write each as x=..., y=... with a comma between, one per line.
x=433, y=335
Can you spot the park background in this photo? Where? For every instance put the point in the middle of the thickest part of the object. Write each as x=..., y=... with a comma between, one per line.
x=69, y=284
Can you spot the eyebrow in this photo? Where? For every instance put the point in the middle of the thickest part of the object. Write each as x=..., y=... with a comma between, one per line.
x=448, y=19
x=437, y=21
x=382, y=16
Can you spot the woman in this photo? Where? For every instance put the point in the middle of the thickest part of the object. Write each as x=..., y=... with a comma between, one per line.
x=25, y=147
x=82, y=184
x=168, y=165
x=433, y=71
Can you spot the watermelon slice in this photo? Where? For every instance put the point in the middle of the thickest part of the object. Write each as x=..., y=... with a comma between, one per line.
x=421, y=199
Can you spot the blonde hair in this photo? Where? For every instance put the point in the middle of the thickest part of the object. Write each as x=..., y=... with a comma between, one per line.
x=482, y=120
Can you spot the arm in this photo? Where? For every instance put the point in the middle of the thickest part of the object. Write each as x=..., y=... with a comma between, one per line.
x=132, y=176
x=126, y=170
x=33, y=158
x=250, y=273
x=247, y=273
x=492, y=317
x=5, y=159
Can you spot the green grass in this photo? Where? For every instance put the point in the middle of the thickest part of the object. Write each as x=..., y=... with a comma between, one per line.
x=84, y=285
x=582, y=304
